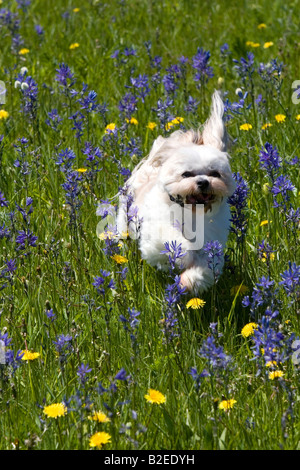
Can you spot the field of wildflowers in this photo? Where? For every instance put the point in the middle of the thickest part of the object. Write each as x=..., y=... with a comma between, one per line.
x=97, y=349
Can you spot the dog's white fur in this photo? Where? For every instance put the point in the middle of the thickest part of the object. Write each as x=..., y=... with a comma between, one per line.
x=159, y=176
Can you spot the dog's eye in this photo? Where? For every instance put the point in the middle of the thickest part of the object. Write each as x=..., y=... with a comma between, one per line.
x=187, y=174
x=214, y=174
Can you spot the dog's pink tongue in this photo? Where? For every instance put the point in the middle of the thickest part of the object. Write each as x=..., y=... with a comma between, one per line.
x=192, y=200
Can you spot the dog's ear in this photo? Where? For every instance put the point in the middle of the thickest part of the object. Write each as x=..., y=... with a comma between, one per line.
x=214, y=132
x=155, y=157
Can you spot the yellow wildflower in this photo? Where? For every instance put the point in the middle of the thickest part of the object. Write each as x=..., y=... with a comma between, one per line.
x=280, y=117
x=119, y=259
x=195, y=303
x=154, y=396
x=264, y=222
x=264, y=257
x=76, y=10
x=23, y=51
x=99, y=439
x=74, y=45
x=245, y=127
x=174, y=122
x=81, y=170
x=265, y=126
x=132, y=121
x=3, y=114
x=276, y=374
x=29, y=356
x=56, y=410
x=110, y=127
x=226, y=404
x=241, y=289
x=261, y=26
x=268, y=44
x=248, y=329
x=271, y=363
x=151, y=125
x=100, y=417
x=298, y=117
x=252, y=44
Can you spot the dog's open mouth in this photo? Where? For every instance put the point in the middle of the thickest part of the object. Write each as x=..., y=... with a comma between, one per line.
x=203, y=198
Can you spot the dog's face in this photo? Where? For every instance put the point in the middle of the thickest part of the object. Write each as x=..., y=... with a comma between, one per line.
x=196, y=174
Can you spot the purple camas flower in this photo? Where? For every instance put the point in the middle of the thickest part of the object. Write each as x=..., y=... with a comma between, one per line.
x=72, y=191
x=25, y=239
x=214, y=251
x=270, y=160
x=245, y=67
x=192, y=105
x=238, y=203
x=29, y=93
x=104, y=282
x=174, y=252
x=63, y=344
x=264, y=296
x=65, y=77
x=3, y=202
x=128, y=105
x=173, y=294
x=163, y=112
x=271, y=346
x=140, y=86
x=65, y=159
x=200, y=64
x=53, y=120
x=82, y=372
x=217, y=359
x=291, y=279
x=131, y=323
x=281, y=191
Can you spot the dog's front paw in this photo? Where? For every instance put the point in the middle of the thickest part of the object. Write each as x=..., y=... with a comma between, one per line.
x=196, y=280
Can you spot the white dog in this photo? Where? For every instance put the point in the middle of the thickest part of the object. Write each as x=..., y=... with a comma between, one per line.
x=181, y=192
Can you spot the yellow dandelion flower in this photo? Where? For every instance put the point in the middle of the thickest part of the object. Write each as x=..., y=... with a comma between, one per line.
x=261, y=26
x=100, y=417
x=298, y=117
x=151, y=125
x=29, y=356
x=241, y=289
x=154, y=396
x=174, y=122
x=252, y=44
x=264, y=222
x=81, y=170
x=226, y=404
x=76, y=10
x=119, y=259
x=276, y=374
x=245, y=127
x=56, y=410
x=248, y=329
x=271, y=363
x=280, y=117
x=3, y=114
x=268, y=44
x=110, y=127
x=23, y=51
x=99, y=439
x=265, y=126
x=195, y=303
x=264, y=257
x=132, y=121
x=74, y=45
x=107, y=235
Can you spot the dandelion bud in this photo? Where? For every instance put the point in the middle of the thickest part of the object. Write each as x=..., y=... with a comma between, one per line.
x=220, y=81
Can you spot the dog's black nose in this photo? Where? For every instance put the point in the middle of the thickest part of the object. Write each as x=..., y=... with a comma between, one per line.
x=203, y=184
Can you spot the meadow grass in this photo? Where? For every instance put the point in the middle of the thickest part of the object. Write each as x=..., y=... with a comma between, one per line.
x=99, y=323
